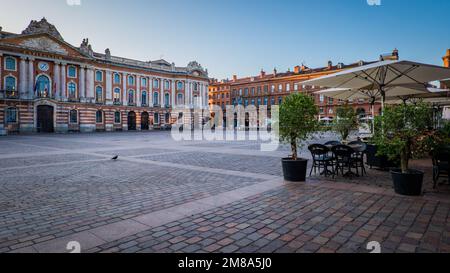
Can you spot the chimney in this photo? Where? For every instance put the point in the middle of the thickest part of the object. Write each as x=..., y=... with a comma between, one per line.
x=262, y=74
x=330, y=64
x=234, y=78
x=446, y=58
x=297, y=69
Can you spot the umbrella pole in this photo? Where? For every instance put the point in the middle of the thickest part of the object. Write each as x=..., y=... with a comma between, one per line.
x=372, y=106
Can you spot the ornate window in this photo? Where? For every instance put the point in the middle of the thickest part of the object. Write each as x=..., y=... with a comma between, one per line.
x=166, y=85
x=272, y=101
x=156, y=98
x=99, y=94
x=116, y=78
x=266, y=100
x=72, y=72
x=73, y=116
x=144, y=82
x=144, y=98
x=130, y=80
x=10, y=64
x=43, y=87
x=131, y=97
x=72, y=88
x=117, y=118
x=11, y=115
x=116, y=97
x=180, y=99
x=10, y=83
x=167, y=99
x=280, y=100
x=99, y=116
x=156, y=83
x=99, y=76
x=179, y=85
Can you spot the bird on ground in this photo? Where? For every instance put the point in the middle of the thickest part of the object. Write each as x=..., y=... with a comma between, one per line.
x=115, y=157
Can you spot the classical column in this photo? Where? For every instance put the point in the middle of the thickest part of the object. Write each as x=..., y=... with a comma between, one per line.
x=161, y=88
x=200, y=98
x=173, y=93
x=150, y=92
x=57, y=79
x=23, y=83
x=63, y=89
x=138, y=90
x=30, y=78
x=90, y=84
x=82, y=85
x=187, y=91
x=205, y=95
x=124, y=89
x=108, y=87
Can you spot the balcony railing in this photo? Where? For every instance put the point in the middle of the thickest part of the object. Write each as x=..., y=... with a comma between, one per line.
x=73, y=99
x=117, y=102
x=9, y=94
x=44, y=94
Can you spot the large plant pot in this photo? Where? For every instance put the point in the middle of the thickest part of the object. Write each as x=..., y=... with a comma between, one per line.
x=294, y=170
x=407, y=183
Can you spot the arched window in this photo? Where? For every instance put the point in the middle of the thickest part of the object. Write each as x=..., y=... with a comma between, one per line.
x=156, y=83
x=99, y=116
x=73, y=116
x=11, y=115
x=156, y=118
x=99, y=76
x=144, y=98
x=116, y=95
x=72, y=72
x=156, y=98
x=180, y=100
x=10, y=83
x=179, y=85
x=259, y=102
x=166, y=85
x=266, y=100
x=10, y=64
x=272, y=101
x=117, y=118
x=99, y=94
x=280, y=100
x=167, y=99
x=72, y=87
x=130, y=96
x=43, y=87
x=144, y=82
x=130, y=80
x=116, y=78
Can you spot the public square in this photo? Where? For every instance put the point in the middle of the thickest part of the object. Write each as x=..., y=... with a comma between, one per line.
x=183, y=197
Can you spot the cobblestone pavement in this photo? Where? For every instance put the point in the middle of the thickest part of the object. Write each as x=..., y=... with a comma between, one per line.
x=167, y=196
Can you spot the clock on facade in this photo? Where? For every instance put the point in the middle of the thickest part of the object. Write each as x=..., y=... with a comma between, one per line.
x=43, y=66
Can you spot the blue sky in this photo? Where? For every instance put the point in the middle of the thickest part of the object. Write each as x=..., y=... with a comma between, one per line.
x=242, y=36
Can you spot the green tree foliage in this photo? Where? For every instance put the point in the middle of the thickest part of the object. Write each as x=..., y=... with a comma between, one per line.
x=298, y=120
x=347, y=120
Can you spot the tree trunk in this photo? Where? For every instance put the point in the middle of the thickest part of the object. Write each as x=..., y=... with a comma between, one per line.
x=404, y=157
x=294, y=150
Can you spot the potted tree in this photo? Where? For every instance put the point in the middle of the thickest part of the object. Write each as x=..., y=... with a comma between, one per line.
x=346, y=121
x=297, y=121
x=403, y=132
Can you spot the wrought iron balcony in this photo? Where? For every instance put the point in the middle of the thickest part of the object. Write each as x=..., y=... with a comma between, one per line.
x=117, y=102
x=73, y=99
x=44, y=94
x=9, y=94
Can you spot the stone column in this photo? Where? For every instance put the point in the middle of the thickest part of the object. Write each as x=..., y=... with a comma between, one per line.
x=63, y=88
x=200, y=99
x=138, y=90
x=124, y=89
x=205, y=95
x=57, y=77
x=90, y=84
x=109, y=88
x=161, y=88
x=30, y=78
x=173, y=93
x=82, y=85
x=23, y=81
x=150, y=92
x=187, y=91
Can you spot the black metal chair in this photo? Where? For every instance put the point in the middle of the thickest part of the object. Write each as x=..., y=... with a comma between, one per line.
x=358, y=156
x=441, y=167
x=321, y=160
x=344, y=160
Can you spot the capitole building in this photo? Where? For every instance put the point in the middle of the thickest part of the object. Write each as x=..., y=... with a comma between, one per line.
x=270, y=88
x=49, y=85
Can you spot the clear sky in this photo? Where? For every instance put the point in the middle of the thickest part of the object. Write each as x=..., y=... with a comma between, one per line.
x=242, y=36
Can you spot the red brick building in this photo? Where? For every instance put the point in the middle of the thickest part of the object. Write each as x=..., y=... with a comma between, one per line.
x=49, y=85
x=270, y=89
